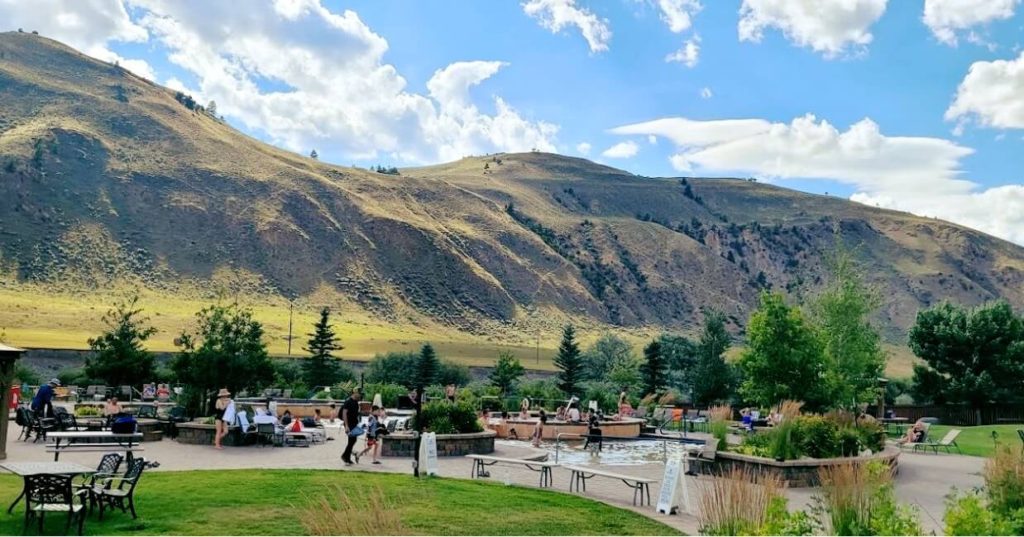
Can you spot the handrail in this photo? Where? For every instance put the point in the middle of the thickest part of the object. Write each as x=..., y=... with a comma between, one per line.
x=558, y=442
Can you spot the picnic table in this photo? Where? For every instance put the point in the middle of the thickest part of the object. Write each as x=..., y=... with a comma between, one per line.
x=93, y=441
x=898, y=425
x=25, y=469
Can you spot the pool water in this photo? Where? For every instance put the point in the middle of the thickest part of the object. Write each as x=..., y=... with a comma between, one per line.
x=614, y=452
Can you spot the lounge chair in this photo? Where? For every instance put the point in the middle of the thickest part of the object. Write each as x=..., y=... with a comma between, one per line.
x=947, y=442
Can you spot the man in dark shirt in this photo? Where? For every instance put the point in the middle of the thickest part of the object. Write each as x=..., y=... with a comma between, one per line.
x=350, y=417
x=42, y=403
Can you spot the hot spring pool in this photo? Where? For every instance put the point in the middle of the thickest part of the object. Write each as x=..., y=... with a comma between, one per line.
x=617, y=452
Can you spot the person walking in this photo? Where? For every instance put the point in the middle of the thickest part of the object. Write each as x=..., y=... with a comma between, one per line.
x=222, y=406
x=372, y=436
x=350, y=420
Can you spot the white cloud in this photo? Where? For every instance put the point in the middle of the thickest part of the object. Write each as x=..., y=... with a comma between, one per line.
x=992, y=94
x=830, y=27
x=555, y=15
x=688, y=54
x=652, y=139
x=915, y=174
x=87, y=25
x=583, y=148
x=621, y=150
x=946, y=17
x=705, y=93
x=678, y=14
x=330, y=86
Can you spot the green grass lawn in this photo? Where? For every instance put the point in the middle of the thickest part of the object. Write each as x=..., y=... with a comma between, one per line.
x=978, y=440
x=274, y=502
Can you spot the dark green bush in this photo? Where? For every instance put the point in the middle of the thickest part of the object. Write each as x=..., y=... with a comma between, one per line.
x=872, y=435
x=850, y=442
x=818, y=437
x=446, y=418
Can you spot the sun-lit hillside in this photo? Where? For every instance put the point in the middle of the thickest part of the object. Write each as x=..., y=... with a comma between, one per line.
x=110, y=183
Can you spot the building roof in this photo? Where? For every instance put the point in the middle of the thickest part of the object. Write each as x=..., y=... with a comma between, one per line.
x=5, y=349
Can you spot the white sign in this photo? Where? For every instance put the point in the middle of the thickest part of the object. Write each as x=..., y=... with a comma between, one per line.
x=669, y=484
x=428, y=452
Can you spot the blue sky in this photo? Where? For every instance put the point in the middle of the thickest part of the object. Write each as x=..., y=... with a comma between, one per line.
x=915, y=105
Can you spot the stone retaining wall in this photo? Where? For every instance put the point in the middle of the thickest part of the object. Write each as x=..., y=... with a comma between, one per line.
x=448, y=445
x=797, y=473
x=202, y=434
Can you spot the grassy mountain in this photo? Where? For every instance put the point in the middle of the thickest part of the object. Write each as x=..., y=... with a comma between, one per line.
x=109, y=182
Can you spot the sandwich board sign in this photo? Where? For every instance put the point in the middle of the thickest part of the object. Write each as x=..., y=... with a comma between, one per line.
x=670, y=483
x=429, y=452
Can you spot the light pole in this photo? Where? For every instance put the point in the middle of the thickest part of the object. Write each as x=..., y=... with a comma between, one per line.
x=290, y=305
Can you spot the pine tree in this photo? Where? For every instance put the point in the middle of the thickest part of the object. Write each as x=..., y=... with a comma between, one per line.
x=313, y=154
x=653, y=368
x=569, y=362
x=212, y=108
x=322, y=368
x=427, y=366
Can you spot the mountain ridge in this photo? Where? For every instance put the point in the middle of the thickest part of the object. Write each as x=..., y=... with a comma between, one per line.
x=109, y=181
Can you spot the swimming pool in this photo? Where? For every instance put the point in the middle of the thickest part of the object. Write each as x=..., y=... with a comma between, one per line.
x=617, y=452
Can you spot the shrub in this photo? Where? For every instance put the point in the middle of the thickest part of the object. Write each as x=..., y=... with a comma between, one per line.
x=968, y=515
x=758, y=445
x=817, y=437
x=27, y=375
x=541, y=391
x=849, y=441
x=780, y=521
x=87, y=411
x=446, y=418
x=872, y=435
x=604, y=393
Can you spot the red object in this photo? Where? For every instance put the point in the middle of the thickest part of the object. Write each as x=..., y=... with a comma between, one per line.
x=15, y=397
x=296, y=426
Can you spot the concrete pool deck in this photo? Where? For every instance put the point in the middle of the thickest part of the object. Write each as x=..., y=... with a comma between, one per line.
x=923, y=480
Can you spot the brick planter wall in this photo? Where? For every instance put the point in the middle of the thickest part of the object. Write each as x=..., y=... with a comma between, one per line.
x=798, y=473
x=202, y=434
x=448, y=445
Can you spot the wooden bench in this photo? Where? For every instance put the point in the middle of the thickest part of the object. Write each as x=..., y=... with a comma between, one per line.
x=641, y=485
x=482, y=461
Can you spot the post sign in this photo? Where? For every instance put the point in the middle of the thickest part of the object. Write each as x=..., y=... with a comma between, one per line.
x=429, y=452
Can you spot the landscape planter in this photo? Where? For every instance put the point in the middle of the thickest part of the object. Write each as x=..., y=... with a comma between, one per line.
x=795, y=473
x=192, y=432
x=448, y=445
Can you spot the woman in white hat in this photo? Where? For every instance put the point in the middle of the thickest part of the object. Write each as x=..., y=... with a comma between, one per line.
x=223, y=402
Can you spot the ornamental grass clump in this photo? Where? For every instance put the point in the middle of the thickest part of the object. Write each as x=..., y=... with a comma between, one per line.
x=718, y=423
x=860, y=499
x=785, y=444
x=335, y=512
x=1004, y=481
x=737, y=502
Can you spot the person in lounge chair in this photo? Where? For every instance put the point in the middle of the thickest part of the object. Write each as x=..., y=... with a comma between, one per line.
x=915, y=434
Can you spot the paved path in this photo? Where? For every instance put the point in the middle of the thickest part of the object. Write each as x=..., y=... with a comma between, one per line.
x=923, y=480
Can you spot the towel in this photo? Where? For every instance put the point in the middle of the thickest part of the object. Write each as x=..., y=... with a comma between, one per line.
x=243, y=421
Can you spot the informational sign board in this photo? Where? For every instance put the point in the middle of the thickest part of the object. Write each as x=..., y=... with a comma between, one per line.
x=429, y=453
x=669, y=484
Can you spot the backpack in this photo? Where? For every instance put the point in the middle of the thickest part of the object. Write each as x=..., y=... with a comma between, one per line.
x=123, y=425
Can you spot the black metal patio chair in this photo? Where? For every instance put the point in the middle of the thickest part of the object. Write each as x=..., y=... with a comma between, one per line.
x=46, y=493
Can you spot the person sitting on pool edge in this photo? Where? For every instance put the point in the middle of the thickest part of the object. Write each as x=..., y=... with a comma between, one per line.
x=573, y=414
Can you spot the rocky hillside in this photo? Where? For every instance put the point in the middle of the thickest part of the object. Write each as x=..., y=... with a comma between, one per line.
x=108, y=180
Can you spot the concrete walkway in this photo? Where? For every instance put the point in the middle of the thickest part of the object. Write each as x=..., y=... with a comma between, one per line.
x=923, y=480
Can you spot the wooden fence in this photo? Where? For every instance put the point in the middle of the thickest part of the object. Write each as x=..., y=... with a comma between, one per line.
x=962, y=415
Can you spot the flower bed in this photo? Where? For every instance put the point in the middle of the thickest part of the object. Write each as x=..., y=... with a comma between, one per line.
x=801, y=472
x=448, y=445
